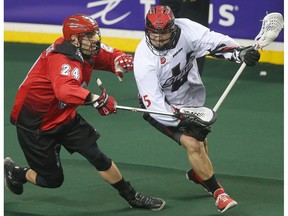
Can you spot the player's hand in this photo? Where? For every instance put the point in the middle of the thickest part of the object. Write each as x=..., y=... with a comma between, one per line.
x=123, y=64
x=109, y=107
x=104, y=103
x=249, y=55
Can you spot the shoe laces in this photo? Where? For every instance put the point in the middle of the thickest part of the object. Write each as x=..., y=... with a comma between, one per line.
x=141, y=199
x=222, y=198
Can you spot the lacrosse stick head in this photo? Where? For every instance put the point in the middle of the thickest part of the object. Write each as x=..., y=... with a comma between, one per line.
x=204, y=114
x=272, y=25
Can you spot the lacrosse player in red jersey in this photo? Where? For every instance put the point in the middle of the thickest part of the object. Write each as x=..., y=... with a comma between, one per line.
x=45, y=115
x=168, y=80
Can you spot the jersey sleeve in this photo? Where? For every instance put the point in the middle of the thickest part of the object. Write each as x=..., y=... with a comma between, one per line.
x=219, y=46
x=105, y=59
x=150, y=91
x=207, y=42
x=66, y=77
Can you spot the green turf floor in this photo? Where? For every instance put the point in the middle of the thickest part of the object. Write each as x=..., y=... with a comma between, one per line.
x=246, y=147
x=91, y=196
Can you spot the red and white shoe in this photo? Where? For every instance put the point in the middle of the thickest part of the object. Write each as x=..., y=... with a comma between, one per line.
x=223, y=201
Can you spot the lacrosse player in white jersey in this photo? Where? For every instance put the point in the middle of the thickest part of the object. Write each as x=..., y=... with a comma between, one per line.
x=168, y=80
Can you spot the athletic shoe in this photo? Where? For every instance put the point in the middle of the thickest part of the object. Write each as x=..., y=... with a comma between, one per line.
x=146, y=202
x=11, y=183
x=190, y=175
x=138, y=200
x=223, y=201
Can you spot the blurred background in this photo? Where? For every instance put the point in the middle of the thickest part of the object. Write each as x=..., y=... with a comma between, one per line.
x=122, y=21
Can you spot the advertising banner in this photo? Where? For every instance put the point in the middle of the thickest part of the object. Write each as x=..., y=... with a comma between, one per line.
x=236, y=18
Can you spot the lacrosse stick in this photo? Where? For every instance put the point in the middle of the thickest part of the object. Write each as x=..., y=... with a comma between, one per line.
x=134, y=109
x=204, y=113
x=272, y=24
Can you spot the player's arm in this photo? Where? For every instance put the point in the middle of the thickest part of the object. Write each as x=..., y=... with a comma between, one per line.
x=237, y=54
x=66, y=81
x=113, y=60
x=222, y=46
x=152, y=98
x=149, y=87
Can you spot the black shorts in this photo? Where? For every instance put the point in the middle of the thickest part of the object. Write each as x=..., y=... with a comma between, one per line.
x=172, y=132
x=42, y=149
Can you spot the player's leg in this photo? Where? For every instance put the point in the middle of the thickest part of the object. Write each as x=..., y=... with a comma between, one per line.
x=83, y=140
x=174, y=134
x=202, y=167
x=111, y=174
x=198, y=157
x=199, y=160
x=191, y=175
x=42, y=155
x=206, y=145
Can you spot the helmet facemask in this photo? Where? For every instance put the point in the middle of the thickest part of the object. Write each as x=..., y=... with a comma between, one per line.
x=90, y=42
x=160, y=41
x=160, y=30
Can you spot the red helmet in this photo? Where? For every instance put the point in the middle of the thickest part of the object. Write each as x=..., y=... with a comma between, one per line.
x=79, y=24
x=160, y=20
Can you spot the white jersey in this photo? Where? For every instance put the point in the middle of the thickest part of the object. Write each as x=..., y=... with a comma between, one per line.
x=172, y=80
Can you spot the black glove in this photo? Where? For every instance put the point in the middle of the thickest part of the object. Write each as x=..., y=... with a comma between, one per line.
x=249, y=55
x=195, y=127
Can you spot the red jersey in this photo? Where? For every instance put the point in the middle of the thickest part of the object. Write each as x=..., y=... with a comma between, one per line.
x=55, y=85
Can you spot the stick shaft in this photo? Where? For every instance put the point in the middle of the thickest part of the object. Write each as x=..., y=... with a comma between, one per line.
x=228, y=88
x=134, y=109
x=273, y=26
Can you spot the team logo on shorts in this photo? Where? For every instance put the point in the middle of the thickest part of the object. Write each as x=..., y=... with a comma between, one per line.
x=162, y=60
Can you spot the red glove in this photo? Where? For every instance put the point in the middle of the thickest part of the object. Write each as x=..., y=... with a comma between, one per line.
x=109, y=107
x=104, y=103
x=123, y=64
